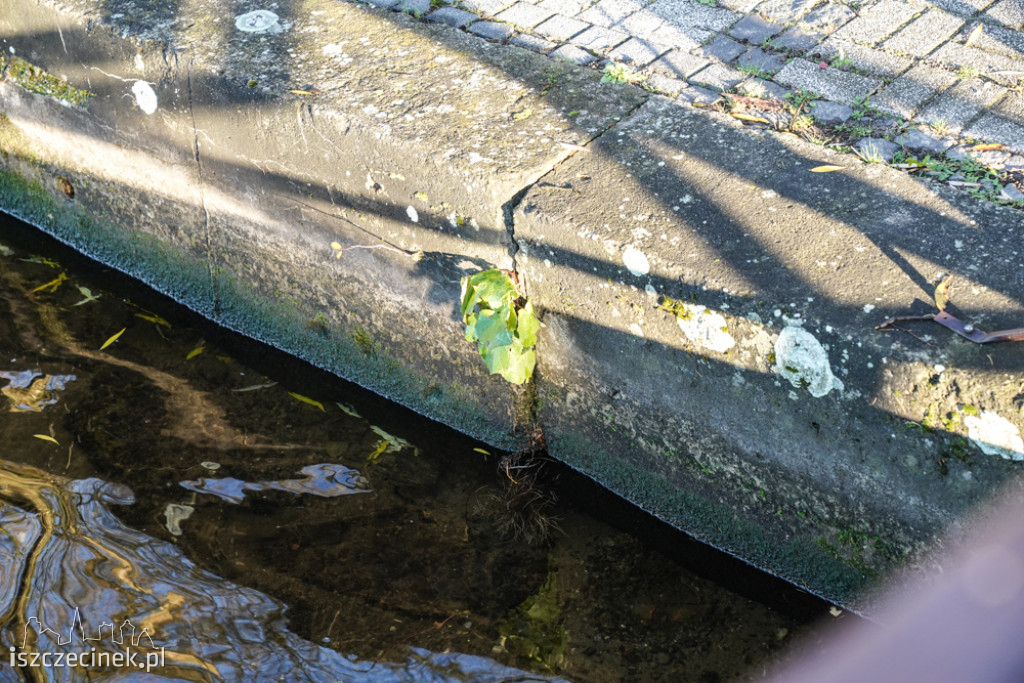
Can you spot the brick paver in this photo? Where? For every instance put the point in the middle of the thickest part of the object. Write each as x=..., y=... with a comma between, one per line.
x=952, y=65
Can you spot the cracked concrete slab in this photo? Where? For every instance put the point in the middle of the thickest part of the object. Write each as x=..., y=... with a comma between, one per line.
x=253, y=151
x=709, y=341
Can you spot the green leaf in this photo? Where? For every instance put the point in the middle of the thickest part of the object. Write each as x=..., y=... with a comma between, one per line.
x=520, y=367
x=469, y=297
x=492, y=328
x=493, y=287
x=528, y=326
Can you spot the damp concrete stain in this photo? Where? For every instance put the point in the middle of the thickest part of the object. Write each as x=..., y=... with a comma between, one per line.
x=995, y=435
x=800, y=358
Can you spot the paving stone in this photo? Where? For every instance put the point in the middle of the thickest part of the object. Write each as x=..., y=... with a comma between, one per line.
x=1001, y=40
x=532, y=43
x=676, y=37
x=827, y=18
x=600, y=39
x=993, y=158
x=1010, y=193
x=965, y=100
x=688, y=14
x=492, y=30
x=679, y=64
x=573, y=54
x=1010, y=13
x=383, y=4
x=925, y=33
x=861, y=57
x=569, y=8
x=524, y=15
x=417, y=7
x=835, y=85
x=718, y=77
x=797, y=40
x=785, y=11
x=697, y=95
x=1014, y=163
x=664, y=84
x=561, y=28
x=756, y=59
x=608, y=12
x=830, y=112
x=1005, y=124
x=741, y=6
x=453, y=16
x=961, y=8
x=872, y=149
x=904, y=96
x=486, y=7
x=722, y=49
x=878, y=21
x=636, y=52
x=998, y=67
x=754, y=29
x=640, y=24
x=760, y=88
x=924, y=140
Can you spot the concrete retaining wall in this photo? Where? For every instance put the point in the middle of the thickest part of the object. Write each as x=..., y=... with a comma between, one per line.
x=709, y=304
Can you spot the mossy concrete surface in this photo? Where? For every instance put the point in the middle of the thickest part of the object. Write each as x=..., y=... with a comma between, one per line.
x=709, y=348
x=220, y=165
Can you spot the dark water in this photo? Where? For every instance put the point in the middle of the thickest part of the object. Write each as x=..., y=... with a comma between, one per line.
x=195, y=483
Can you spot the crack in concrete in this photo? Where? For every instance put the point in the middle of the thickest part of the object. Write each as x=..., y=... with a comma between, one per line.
x=202, y=192
x=529, y=396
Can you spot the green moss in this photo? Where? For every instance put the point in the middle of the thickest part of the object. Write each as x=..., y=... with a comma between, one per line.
x=533, y=633
x=34, y=79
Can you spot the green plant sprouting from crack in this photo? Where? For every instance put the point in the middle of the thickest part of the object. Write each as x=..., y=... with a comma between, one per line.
x=502, y=323
x=620, y=73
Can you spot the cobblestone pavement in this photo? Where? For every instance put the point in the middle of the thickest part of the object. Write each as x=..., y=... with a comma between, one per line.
x=943, y=72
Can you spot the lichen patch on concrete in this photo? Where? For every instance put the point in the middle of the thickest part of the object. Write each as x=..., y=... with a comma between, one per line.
x=995, y=435
x=706, y=328
x=800, y=358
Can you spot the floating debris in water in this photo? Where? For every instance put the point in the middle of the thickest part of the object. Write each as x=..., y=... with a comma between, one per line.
x=176, y=514
x=325, y=480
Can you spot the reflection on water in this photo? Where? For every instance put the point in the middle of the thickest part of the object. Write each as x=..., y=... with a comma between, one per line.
x=76, y=580
x=261, y=484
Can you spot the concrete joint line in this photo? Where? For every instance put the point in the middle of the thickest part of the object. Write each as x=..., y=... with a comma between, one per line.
x=202, y=189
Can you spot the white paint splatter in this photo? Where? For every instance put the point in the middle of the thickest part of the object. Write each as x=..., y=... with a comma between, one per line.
x=145, y=96
x=414, y=216
x=258, y=21
x=995, y=435
x=868, y=308
x=800, y=358
x=707, y=329
x=636, y=261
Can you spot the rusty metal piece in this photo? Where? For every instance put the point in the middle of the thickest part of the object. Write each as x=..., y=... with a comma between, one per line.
x=965, y=330
x=975, y=335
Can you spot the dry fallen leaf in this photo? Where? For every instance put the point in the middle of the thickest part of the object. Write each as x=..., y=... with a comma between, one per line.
x=942, y=293
x=751, y=118
x=974, y=35
x=826, y=169
x=986, y=146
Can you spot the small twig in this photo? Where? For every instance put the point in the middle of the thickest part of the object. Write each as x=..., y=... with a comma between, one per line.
x=889, y=325
x=436, y=626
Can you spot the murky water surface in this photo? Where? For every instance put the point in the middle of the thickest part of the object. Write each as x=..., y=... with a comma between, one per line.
x=167, y=489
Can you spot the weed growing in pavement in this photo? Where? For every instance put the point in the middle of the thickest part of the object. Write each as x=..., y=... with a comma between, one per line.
x=620, y=73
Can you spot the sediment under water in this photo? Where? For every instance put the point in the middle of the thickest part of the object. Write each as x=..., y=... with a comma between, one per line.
x=162, y=475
